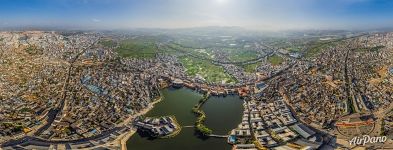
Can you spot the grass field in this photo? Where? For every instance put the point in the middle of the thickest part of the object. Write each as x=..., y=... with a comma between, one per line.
x=209, y=71
x=313, y=51
x=108, y=43
x=137, y=48
x=236, y=55
x=198, y=52
x=250, y=68
x=169, y=50
x=294, y=49
x=275, y=60
x=371, y=49
x=318, y=46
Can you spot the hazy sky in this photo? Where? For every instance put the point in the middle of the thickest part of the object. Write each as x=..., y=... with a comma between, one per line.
x=255, y=14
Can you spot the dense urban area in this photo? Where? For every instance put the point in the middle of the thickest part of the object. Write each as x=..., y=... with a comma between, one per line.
x=91, y=89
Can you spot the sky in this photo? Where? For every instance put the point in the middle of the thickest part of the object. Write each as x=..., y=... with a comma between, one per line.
x=253, y=14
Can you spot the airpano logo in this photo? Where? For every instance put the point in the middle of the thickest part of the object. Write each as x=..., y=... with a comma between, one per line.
x=365, y=139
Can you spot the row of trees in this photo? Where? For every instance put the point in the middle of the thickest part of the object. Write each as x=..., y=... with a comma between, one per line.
x=200, y=127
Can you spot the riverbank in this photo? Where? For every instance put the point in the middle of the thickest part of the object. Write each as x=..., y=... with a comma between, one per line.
x=177, y=131
x=124, y=138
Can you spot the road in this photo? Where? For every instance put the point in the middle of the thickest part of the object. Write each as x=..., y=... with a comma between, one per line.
x=51, y=116
x=39, y=141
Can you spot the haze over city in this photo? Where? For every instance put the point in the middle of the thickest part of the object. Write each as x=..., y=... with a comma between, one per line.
x=253, y=14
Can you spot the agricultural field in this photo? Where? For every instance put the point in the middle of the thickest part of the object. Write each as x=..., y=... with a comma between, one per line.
x=240, y=55
x=195, y=43
x=317, y=47
x=205, y=53
x=294, y=49
x=197, y=52
x=275, y=60
x=371, y=49
x=207, y=70
x=250, y=68
x=108, y=43
x=166, y=49
x=137, y=48
x=315, y=50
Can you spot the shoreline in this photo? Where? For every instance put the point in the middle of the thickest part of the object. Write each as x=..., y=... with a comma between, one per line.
x=121, y=140
x=124, y=138
x=175, y=132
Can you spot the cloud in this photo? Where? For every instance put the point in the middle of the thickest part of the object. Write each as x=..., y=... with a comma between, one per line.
x=95, y=20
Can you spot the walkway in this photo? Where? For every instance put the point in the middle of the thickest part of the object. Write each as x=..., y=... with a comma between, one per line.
x=218, y=136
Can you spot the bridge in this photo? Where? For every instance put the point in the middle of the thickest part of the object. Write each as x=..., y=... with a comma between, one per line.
x=211, y=135
x=218, y=136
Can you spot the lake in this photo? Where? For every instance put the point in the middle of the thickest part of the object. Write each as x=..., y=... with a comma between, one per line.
x=223, y=114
